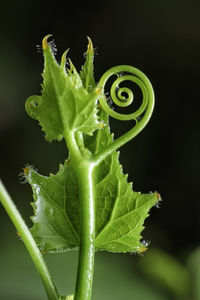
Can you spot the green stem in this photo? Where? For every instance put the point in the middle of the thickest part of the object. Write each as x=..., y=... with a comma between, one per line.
x=84, y=171
x=29, y=242
x=87, y=234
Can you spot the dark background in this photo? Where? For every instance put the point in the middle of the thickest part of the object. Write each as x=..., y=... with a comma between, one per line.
x=162, y=38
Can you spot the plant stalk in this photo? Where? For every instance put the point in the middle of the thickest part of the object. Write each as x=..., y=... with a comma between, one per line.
x=87, y=232
x=29, y=242
x=84, y=170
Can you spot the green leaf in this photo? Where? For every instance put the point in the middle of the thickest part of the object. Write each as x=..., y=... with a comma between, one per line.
x=87, y=72
x=56, y=208
x=120, y=212
x=65, y=105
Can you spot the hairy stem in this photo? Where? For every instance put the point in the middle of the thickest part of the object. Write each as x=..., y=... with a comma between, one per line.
x=29, y=243
x=87, y=234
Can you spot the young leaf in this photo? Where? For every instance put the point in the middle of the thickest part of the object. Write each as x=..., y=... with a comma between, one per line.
x=65, y=105
x=86, y=73
x=56, y=208
x=120, y=212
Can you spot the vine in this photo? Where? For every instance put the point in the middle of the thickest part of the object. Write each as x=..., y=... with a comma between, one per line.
x=89, y=204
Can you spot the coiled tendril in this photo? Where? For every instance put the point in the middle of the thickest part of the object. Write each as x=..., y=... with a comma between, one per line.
x=116, y=92
x=141, y=115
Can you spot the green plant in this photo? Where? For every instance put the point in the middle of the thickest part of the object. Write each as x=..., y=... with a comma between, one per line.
x=88, y=204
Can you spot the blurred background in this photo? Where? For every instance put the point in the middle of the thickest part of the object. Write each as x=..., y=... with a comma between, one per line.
x=162, y=38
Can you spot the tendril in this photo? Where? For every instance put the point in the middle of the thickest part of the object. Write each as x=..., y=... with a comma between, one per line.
x=123, y=97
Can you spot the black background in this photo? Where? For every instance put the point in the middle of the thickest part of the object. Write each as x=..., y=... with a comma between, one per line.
x=159, y=37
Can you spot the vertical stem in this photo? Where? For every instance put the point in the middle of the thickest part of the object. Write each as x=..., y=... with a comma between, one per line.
x=29, y=243
x=87, y=234
x=84, y=171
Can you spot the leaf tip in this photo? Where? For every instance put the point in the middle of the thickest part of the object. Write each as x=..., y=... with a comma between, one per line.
x=25, y=175
x=63, y=59
x=159, y=200
x=26, y=171
x=143, y=247
x=158, y=196
x=90, y=49
x=45, y=44
x=72, y=67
